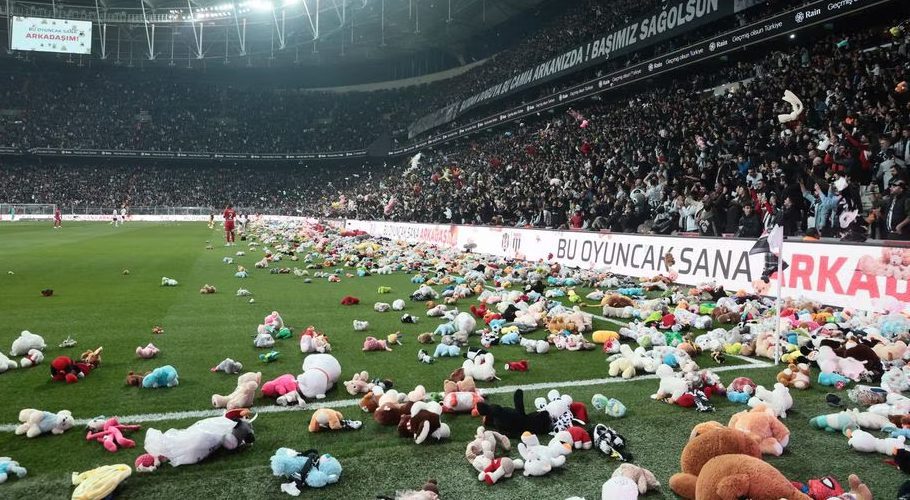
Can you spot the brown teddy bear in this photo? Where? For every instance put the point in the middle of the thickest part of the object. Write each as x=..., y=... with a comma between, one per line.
x=723, y=315
x=465, y=385
x=616, y=300
x=423, y=422
x=743, y=476
x=702, y=448
x=762, y=424
x=797, y=376
x=135, y=379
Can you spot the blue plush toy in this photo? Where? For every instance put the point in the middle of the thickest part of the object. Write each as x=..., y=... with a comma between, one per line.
x=447, y=350
x=306, y=469
x=630, y=292
x=510, y=338
x=497, y=324
x=445, y=329
x=833, y=380
x=418, y=280
x=163, y=376
x=240, y=274
x=738, y=397
x=670, y=360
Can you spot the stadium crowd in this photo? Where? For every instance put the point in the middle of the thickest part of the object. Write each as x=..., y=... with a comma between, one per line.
x=671, y=158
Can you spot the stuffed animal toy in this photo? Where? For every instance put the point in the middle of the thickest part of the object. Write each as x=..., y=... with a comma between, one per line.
x=444, y=350
x=279, y=386
x=557, y=406
x=704, y=447
x=64, y=369
x=147, y=352
x=423, y=422
x=482, y=436
x=232, y=431
x=32, y=358
x=604, y=336
x=207, y=289
x=863, y=441
x=100, y=482
x=850, y=419
x=320, y=372
x=109, y=432
x=26, y=342
x=482, y=367
x=8, y=467
x=891, y=355
x=6, y=363
x=535, y=346
x=742, y=476
x=517, y=366
x=312, y=340
x=761, y=424
x=37, y=422
x=610, y=406
x=407, y=318
x=384, y=289
x=671, y=387
x=513, y=421
x=241, y=274
x=778, y=400
x=581, y=439
x=833, y=380
x=163, y=376
x=306, y=470
x=157, y=330
x=325, y=418
x=539, y=460
x=381, y=306
x=491, y=469
x=47, y=292
x=796, y=376
x=360, y=326
x=398, y=305
x=464, y=324
x=628, y=481
x=374, y=344
x=165, y=281
x=622, y=367
x=829, y=362
x=610, y=442
x=347, y=300
x=243, y=395
x=425, y=338
x=895, y=380
x=359, y=384
x=263, y=340
x=229, y=366
x=424, y=357
x=741, y=389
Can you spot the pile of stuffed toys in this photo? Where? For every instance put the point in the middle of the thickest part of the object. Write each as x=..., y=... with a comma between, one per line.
x=860, y=357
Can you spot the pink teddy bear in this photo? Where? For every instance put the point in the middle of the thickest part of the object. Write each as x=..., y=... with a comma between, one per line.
x=109, y=433
x=279, y=386
x=374, y=344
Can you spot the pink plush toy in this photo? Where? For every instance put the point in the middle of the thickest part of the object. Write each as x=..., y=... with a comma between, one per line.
x=274, y=320
x=147, y=352
x=279, y=386
x=109, y=432
x=829, y=362
x=374, y=344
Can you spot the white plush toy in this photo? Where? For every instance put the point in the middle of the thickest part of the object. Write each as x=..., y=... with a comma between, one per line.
x=778, y=400
x=381, y=307
x=540, y=459
x=360, y=326
x=619, y=488
x=896, y=380
x=861, y=440
x=398, y=304
x=535, y=346
x=263, y=340
x=671, y=386
x=557, y=405
x=37, y=422
x=6, y=363
x=320, y=372
x=437, y=310
x=26, y=342
x=165, y=281
x=481, y=367
x=465, y=323
x=243, y=292
x=33, y=357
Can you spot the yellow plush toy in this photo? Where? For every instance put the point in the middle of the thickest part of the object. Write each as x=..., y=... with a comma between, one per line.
x=604, y=336
x=101, y=482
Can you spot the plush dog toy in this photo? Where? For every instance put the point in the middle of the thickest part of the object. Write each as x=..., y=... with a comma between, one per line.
x=328, y=419
x=243, y=395
x=147, y=352
x=229, y=366
x=109, y=432
x=37, y=422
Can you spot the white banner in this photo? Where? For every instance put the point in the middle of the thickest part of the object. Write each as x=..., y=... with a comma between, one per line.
x=855, y=276
x=51, y=35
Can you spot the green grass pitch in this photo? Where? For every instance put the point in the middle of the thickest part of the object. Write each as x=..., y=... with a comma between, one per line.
x=100, y=306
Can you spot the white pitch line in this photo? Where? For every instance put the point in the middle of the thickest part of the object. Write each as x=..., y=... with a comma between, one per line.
x=345, y=403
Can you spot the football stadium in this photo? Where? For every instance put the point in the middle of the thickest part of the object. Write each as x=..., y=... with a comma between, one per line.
x=455, y=249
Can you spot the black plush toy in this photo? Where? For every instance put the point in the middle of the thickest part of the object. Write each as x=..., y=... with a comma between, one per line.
x=514, y=421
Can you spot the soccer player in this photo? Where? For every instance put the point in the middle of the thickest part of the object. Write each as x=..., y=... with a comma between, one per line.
x=211, y=219
x=58, y=218
x=229, y=216
x=122, y=214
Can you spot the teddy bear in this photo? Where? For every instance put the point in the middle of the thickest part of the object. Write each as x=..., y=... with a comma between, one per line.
x=535, y=346
x=207, y=289
x=628, y=481
x=761, y=424
x=796, y=376
x=444, y=349
x=491, y=469
x=243, y=394
x=861, y=440
x=778, y=400
x=32, y=358
x=374, y=344
x=704, y=447
x=305, y=470
x=229, y=366
x=279, y=386
x=742, y=476
x=423, y=422
x=26, y=342
x=9, y=467
x=495, y=440
x=163, y=376
x=539, y=459
x=320, y=372
x=513, y=421
x=6, y=363
x=147, y=352
x=829, y=362
x=109, y=432
x=891, y=355
x=327, y=418
x=360, y=326
x=37, y=422
x=482, y=367
x=359, y=384
x=671, y=387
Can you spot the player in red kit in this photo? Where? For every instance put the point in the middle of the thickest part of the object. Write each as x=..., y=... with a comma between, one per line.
x=58, y=218
x=229, y=216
